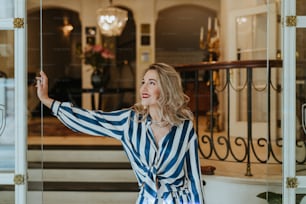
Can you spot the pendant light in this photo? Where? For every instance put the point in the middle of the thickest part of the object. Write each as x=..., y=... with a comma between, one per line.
x=111, y=20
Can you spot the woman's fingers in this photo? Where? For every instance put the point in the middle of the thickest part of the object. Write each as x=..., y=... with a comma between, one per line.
x=37, y=81
x=42, y=89
x=42, y=80
x=42, y=85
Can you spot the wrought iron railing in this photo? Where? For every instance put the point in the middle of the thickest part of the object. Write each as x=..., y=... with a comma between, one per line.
x=262, y=149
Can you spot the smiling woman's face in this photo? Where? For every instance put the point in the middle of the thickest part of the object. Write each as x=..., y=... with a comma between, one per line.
x=149, y=90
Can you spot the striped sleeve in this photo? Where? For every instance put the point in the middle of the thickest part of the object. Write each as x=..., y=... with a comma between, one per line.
x=96, y=123
x=195, y=183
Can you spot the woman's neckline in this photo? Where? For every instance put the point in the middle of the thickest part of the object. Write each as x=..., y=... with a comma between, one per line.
x=160, y=124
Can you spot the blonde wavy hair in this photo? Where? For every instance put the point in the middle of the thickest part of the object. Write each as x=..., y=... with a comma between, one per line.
x=172, y=101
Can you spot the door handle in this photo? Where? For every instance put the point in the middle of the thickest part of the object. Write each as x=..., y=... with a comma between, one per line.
x=304, y=117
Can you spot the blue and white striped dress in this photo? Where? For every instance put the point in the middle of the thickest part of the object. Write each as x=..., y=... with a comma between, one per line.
x=168, y=172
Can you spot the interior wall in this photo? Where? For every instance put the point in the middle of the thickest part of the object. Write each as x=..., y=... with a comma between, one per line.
x=178, y=33
x=144, y=12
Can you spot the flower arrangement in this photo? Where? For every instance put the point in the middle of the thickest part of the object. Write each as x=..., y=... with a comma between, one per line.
x=99, y=59
x=97, y=56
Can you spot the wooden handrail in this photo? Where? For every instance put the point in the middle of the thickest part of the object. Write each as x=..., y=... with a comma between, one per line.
x=228, y=65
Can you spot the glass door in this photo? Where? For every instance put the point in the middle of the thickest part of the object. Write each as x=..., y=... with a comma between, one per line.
x=254, y=38
x=13, y=182
x=294, y=101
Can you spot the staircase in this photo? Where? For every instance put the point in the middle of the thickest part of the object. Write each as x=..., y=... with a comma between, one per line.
x=79, y=174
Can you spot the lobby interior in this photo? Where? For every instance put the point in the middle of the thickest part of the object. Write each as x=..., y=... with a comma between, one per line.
x=229, y=55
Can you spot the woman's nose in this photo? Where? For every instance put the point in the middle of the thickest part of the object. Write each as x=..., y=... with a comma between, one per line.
x=144, y=86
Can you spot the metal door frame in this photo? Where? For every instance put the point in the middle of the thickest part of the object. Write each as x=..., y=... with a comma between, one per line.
x=290, y=22
x=17, y=23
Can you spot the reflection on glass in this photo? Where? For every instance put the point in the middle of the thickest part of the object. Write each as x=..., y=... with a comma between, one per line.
x=252, y=45
x=6, y=54
x=251, y=36
x=300, y=99
x=7, y=195
x=300, y=8
x=6, y=9
x=34, y=53
x=7, y=133
x=300, y=196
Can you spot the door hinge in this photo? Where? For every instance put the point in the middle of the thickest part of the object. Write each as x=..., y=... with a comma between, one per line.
x=18, y=22
x=292, y=182
x=19, y=179
x=291, y=21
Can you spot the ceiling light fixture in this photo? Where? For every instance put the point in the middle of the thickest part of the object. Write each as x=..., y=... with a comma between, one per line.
x=67, y=27
x=111, y=20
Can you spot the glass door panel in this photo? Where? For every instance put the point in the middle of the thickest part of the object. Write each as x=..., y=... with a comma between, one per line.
x=13, y=174
x=6, y=98
x=301, y=101
x=35, y=152
x=6, y=9
x=253, y=39
x=301, y=112
x=7, y=116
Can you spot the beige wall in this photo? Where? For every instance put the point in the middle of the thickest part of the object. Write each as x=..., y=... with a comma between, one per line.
x=145, y=12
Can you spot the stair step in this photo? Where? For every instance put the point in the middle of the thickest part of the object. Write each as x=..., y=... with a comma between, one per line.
x=85, y=186
x=7, y=157
x=79, y=165
x=80, y=174
x=78, y=186
x=71, y=197
x=74, y=147
x=77, y=174
x=76, y=156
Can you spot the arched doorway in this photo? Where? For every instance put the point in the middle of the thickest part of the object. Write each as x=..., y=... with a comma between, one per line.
x=178, y=33
x=61, y=40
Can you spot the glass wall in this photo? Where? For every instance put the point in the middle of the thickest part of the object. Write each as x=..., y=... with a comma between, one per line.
x=7, y=113
x=60, y=161
x=13, y=182
x=301, y=103
x=58, y=33
x=35, y=193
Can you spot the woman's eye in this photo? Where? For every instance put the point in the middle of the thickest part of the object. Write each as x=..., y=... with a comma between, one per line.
x=152, y=83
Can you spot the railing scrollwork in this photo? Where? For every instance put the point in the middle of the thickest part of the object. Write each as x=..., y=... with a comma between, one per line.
x=249, y=148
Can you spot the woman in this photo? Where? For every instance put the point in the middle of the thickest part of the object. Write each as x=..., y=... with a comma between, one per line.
x=157, y=135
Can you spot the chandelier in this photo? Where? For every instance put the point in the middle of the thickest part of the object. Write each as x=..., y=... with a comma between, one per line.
x=111, y=20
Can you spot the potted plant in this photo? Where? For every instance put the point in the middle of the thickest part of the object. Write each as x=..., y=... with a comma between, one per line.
x=99, y=58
